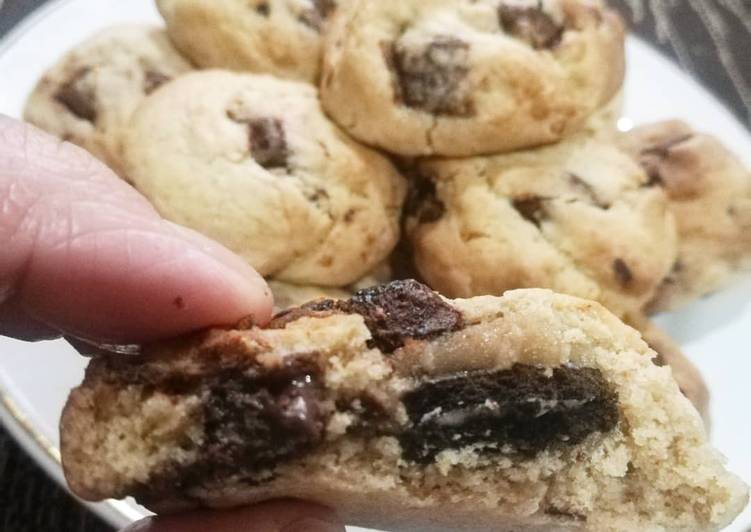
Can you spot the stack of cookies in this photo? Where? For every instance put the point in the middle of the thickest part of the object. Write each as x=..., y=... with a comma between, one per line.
x=471, y=145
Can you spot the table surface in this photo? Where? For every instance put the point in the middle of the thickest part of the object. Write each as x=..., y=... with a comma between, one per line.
x=707, y=37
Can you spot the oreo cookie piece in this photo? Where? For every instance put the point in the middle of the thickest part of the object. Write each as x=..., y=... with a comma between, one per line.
x=405, y=410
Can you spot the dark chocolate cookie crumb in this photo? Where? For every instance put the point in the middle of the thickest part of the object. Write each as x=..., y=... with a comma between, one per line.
x=524, y=410
x=432, y=78
x=78, y=99
x=530, y=24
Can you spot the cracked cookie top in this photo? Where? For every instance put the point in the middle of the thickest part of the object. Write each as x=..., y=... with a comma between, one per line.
x=458, y=78
x=253, y=162
x=579, y=217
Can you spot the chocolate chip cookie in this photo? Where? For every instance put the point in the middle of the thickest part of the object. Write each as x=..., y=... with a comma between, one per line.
x=710, y=195
x=406, y=411
x=253, y=162
x=279, y=37
x=459, y=78
x=91, y=93
x=688, y=377
x=579, y=217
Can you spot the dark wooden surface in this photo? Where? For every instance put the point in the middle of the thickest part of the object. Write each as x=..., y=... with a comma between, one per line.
x=711, y=39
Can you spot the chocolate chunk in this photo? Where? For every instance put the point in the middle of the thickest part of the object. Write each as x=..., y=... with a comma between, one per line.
x=152, y=80
x=586, y=190
x=522, y=410
x=78, y=98
x=254, y=422
x=623, y=273
x=392, y=312
x=263, y=9
x=531, y=208
x=422, y=201
x=403, y=309
x=432, y=78
x=318, y=13
x=651, y=158
x=530, y=24
x=268, y=142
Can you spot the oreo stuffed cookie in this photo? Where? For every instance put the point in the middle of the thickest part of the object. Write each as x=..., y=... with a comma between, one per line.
x=407, y=411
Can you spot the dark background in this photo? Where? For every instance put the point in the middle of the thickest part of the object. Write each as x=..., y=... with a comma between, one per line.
x=711, y=39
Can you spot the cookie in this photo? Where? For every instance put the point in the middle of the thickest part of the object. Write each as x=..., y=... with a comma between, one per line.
x=688, y=377
x=710, y=195
x=458, y=78
x=91, y=93
x=278, y=37
x=578, y=217
x=406, y=411
x=252, y=162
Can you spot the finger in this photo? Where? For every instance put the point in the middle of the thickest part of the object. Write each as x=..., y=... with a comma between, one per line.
x=15, y=322
x=271, y=516
x=85, y=253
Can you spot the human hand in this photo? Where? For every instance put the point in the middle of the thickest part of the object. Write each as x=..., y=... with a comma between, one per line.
x=83, y=254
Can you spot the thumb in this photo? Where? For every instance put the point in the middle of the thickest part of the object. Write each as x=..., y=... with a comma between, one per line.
x=84, y=253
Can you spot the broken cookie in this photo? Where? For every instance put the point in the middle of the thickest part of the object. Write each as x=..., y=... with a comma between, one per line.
x=405, y=410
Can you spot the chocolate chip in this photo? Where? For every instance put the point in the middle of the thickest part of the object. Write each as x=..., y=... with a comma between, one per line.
x=403, y=309
x=318, y=13
x=530, y=24
x=393, y=313
x=152, y=80
x=652, y=157
x=254, y=421
x=531, y=208
x=268, y=142
x=521, y=410
x=432, y=78
x=422, y=201
x=623, y=273
x=77, y=98
x=263, y=9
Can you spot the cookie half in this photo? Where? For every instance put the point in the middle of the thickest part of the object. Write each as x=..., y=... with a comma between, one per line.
x=579, y=217
x=458, y=78
x=710, y=195
x=406, y=411
x=252, y=162
x=278, y=37
x=91, y=93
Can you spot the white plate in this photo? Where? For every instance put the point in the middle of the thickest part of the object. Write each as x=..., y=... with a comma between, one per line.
x=35, y=378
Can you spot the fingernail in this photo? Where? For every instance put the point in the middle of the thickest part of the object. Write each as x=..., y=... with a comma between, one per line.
x=310, y=524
